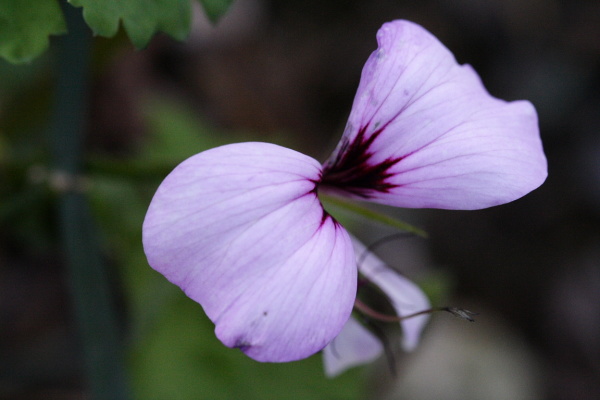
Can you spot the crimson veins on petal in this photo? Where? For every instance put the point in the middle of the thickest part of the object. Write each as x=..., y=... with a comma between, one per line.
x=351, y=171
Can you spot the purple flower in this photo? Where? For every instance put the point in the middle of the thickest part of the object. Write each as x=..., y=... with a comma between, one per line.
x=240, y=228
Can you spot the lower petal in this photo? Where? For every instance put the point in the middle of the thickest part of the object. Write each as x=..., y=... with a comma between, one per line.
x=406, y=297
x=355, y=345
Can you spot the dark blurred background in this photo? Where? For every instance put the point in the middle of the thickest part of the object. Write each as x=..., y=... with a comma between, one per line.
x=286, y=72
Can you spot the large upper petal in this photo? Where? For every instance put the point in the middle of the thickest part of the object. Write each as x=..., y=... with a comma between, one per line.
x=240, y=229
x=424, y=132
x=406, y=297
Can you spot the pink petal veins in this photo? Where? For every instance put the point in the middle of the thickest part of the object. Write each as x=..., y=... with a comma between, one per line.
x=240, y=229
x=424, y=132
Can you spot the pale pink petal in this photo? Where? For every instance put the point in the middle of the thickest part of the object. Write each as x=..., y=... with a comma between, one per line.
x=355, y=345
x=405, y=296
x=424, y=132
x=240, y=229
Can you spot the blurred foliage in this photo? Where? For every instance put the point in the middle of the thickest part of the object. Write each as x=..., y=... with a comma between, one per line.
x=215, y=9
x=25, y=25
x=181, y=358
x=141, y=19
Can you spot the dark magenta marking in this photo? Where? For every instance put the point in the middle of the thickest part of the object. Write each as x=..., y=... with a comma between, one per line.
x=325, y=215
x=352, y=172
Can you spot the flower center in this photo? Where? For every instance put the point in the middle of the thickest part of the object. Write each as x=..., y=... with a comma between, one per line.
x=351, y=170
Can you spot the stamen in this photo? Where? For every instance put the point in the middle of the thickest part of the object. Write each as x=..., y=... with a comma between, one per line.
x=368, y=311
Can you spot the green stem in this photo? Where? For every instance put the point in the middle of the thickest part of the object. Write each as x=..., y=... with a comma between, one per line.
x=88, y=280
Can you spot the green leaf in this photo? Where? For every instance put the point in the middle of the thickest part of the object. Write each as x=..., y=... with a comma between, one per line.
x=177, y=132
x=179, y=357
x=25, y=26
x=215, y=9
x=370, y=214
x=141, y=18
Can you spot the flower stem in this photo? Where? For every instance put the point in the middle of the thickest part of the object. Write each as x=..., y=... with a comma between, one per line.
x=89, y=286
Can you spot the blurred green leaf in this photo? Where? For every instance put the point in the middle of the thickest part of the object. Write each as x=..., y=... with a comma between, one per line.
x=25, y=26
x=181, y=358
x=176, y=133
x=215, y=9
x=438, y=285
x=141, y=18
